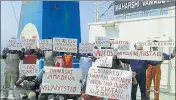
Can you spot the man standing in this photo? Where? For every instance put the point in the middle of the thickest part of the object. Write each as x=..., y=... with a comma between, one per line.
x=49, y=60
x=139, y=67
x=154, y=73
x=11, y=71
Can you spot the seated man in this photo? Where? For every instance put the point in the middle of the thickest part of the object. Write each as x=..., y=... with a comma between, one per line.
x=26, y=88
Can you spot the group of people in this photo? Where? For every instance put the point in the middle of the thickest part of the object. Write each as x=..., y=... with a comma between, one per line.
x=30, y=88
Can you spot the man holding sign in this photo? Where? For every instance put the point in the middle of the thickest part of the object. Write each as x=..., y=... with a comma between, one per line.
x=154, y=73
x=140, y=67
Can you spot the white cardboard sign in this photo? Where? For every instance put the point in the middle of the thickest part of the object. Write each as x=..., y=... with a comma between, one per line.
x=103, y=52
x=86, y=47
x=65, y=45
x=102, y=41
x=139, y=54
x=29, y=69
x=122, y=47
x=109, y=83
x=104, y=62
x=129, y=54
x=15, y=44
x=120, y=42
x=159, y=44
x=61, y=80
x=46, y=44
x=30, y=43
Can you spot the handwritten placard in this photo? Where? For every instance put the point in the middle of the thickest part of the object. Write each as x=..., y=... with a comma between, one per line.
x=109, y=83
x=86, y=47
x=45, y=44
x=129, y=54
x=120, y=42
x=139, y=54
x=30, y=43
x=61, y=80
x=104, y=62
x=102, y=41
x=29, y=69
x=158, y=44
x=103, y=52
x=65, y=45
x=122, y=47
x=15, y=44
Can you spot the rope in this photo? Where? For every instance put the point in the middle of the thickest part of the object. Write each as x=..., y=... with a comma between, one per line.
x=107, y=9
x=14, y=13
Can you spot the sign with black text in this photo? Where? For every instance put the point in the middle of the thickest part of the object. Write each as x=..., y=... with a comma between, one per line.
x=61, y=80
x=45, y=44
x=109, y=83
x=65, y=45
x=121, y=7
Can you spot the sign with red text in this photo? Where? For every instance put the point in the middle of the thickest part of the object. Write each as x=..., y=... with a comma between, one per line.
x=65, y=45
x=46, y=44
x=15, y=44
x=102, y=41
x=86, y=47
x=29, y=69
x=139, y=54
x=129, y=54
x=159, y=44
x=61, y=80
x=98, y=53
x=120, y=42
x=104, y=62
x=30, y=43
x=109, y=83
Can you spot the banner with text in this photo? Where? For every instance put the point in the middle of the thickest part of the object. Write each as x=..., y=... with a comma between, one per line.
x=122, y=7
x=15, y=44
x=86, y=47
x=102, y=42
x=29, y=69
x=104, y=62
x=30, y=43
x=46, y=44
x=61, y=80
x=65, y=45
x=109, y=83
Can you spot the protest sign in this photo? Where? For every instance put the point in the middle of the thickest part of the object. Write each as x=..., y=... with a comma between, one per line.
x=45, y=44
x=109, y=83
x=104, y=61
x=86, y=47
x=30, y=43
x=120, y=42
x=103, y=52
x=15, y=44
x=122, y=47
x=102, y=41
x=158, y=44
x=61, y=80
x=65, y=45
x=139, y=54
x=129, y=54
x=29, y=69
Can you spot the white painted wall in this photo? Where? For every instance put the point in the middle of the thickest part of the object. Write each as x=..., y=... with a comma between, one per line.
x=142, y=29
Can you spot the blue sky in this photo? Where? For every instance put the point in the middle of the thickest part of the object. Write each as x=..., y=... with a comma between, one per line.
x=9, y=26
